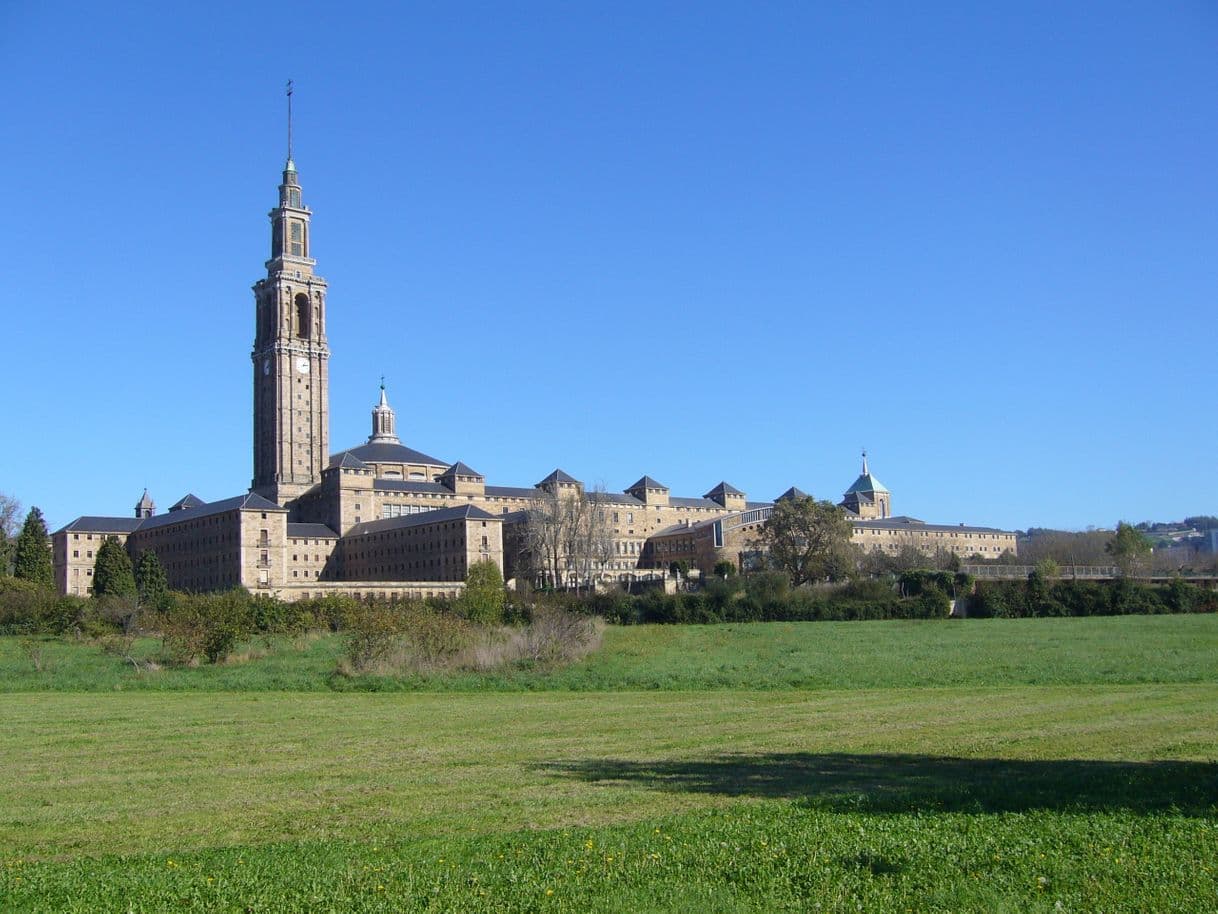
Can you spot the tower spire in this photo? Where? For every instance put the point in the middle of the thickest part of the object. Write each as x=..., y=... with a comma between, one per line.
x=291, y=374
x=384, y=422
x=291, y=166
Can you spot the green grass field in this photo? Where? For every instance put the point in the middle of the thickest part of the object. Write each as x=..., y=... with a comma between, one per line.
x=755, y=656
x=1059, y=764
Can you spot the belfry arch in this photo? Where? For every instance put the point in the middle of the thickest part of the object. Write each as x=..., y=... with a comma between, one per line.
x=303, y=314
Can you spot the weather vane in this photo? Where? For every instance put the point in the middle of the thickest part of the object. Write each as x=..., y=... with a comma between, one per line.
x=289, y=119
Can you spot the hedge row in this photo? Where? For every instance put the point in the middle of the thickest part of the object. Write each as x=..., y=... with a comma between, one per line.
x=768, y=598
x=1037, y=597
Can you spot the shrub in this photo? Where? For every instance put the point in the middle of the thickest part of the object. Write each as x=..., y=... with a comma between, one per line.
x=932, y=603
x=205, y=625
x=614, y=606
x=434, y=638
x=557, y=636
x=373, y=632
x=25, y=606
x=483, y=598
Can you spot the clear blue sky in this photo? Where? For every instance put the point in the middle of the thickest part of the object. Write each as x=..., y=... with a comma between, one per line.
x=698, y=241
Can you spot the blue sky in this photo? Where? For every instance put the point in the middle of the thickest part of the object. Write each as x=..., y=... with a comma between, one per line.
x=698, y=241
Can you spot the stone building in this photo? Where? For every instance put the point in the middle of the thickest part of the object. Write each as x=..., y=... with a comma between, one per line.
x=381, y=517
x=733, y=537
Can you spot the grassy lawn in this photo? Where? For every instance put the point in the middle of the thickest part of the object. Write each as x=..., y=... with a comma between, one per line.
x=801, y=655
x=1061, y=765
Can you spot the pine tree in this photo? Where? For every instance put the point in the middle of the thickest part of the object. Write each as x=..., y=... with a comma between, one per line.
x=33, y=557
x=112, y=574
x=150, y=580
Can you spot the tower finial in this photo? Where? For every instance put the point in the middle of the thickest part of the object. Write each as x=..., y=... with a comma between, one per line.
x=382, y=382
x=865, y=461
x=291, y=166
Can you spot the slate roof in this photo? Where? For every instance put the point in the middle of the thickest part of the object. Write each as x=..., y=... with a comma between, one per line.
x=384, y=452
x=95, y=524
x=409, y=485
x=348, y=460
x=559, y=476
x=512, y=491
x=682, y=502
x=615, y=498
x=904, y=522
x=427, y=517
x=462, y=469
x=248, y=502
x=792, y=493
x=187, y=501
x=752, y=505
x=315, y=531
x=724, y=489
x=687, y=528
x=647, y=483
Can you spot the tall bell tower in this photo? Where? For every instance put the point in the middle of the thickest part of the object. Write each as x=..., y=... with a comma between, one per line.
x=290, y=356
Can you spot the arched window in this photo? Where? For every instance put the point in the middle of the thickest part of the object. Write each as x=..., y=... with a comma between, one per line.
x=294, y=197
x=302, y=316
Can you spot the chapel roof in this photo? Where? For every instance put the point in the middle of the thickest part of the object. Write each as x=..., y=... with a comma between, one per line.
x=386, y=452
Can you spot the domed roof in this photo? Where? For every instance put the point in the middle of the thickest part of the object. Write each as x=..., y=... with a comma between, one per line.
x=385, y=452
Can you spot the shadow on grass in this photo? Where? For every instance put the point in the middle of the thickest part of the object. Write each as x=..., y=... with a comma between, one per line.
x=914, y=783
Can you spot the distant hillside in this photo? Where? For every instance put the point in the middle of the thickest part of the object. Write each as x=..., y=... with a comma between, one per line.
x=1184, y=544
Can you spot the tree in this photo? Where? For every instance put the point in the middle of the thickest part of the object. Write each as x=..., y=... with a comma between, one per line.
x=483, y=599
x=1129, y=548
x=112, y=572
x=1048, y=569
x=150, y=580
x=809, y=540
x=568, y=534
x=544, y=535
x=32, y=558
x=10, y=510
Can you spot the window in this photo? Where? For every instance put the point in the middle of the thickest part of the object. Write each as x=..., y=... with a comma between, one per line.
x=302, y=316
x=294, y=197
x=296, y=234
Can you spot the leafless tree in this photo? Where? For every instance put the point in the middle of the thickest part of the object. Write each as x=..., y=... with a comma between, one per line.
x=569, y=536
x=10, y=521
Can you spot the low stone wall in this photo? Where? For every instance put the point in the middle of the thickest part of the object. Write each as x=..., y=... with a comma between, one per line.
x=369, y=590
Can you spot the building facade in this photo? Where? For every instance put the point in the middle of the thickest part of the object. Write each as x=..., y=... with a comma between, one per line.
x=381, y=518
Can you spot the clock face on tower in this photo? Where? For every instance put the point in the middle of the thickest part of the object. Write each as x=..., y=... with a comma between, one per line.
x=302, y=365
